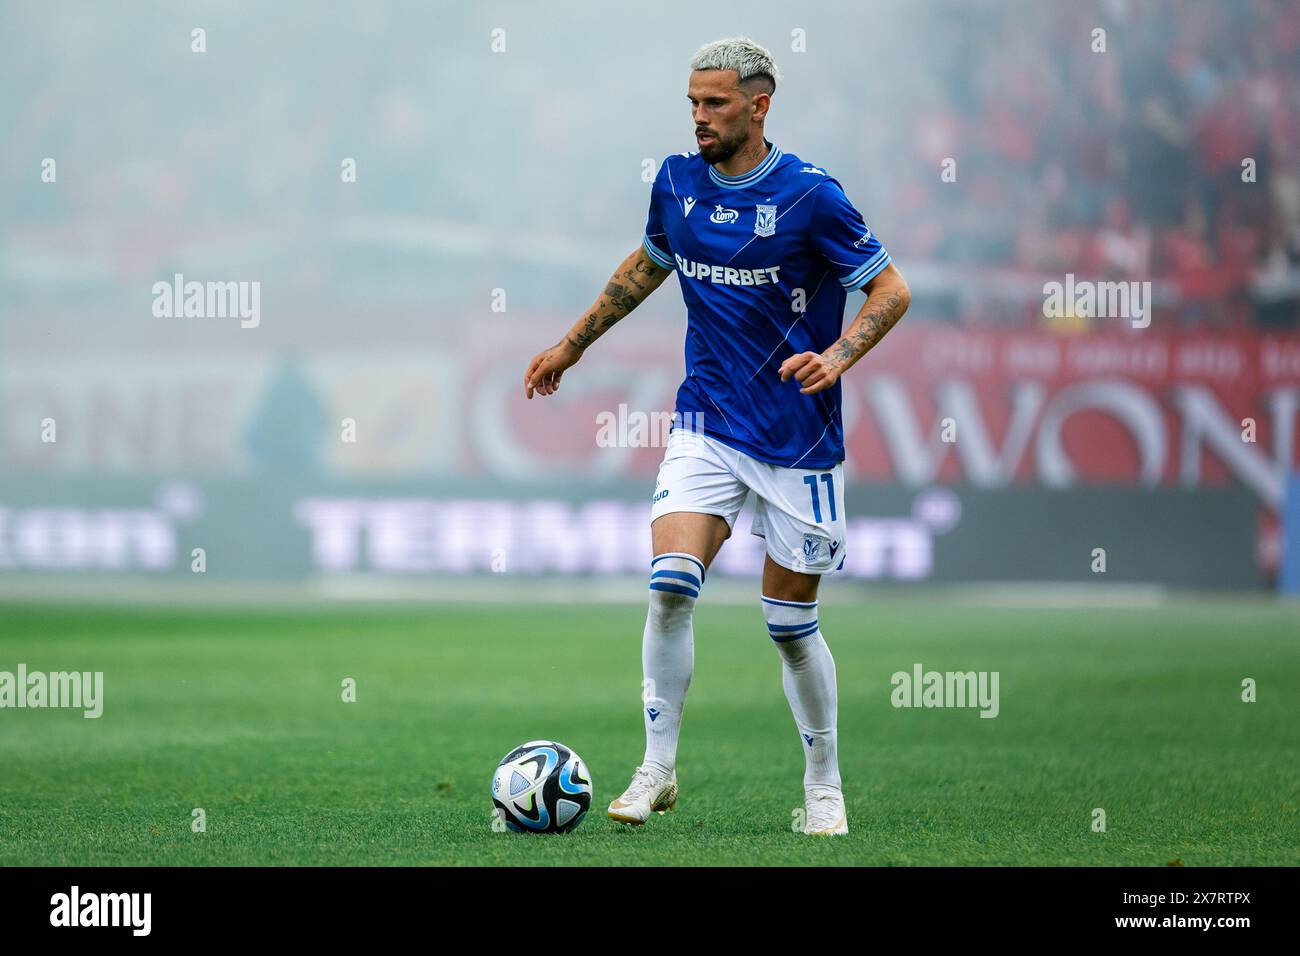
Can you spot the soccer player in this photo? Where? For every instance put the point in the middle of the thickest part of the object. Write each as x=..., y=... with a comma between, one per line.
x=766, y=247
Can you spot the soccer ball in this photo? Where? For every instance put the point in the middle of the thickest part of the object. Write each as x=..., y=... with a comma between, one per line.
x=541, y=787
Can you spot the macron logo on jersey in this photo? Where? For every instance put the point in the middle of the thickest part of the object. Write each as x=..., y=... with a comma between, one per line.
x=726, y=275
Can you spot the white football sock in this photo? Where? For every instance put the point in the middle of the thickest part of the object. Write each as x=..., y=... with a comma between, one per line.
x=668, y=653
x=808, y=675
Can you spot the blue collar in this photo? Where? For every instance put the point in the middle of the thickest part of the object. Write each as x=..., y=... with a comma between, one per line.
x=751, y=177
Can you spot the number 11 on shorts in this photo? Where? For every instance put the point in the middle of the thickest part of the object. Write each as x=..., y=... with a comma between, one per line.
x=811, y=482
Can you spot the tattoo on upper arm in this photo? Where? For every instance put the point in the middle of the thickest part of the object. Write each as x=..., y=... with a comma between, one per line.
x=631, y=276
x=647, y=266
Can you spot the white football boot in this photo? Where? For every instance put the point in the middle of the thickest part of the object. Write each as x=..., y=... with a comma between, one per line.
x=648, y=791
x=825, y=811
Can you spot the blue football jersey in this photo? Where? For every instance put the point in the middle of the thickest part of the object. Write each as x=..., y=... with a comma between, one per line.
x=765, y=261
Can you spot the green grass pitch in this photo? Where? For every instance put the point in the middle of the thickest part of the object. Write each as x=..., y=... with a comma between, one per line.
x=1135, y=711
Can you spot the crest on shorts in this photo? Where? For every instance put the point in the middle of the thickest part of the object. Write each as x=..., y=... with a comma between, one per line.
x=764, y=220
x=812, y=548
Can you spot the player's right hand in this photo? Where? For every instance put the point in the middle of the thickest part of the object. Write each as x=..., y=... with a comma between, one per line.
x=544, y=371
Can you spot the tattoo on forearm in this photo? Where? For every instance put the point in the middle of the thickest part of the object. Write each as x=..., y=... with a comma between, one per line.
x=623, y=299
x=869, y=329
x=585, y=335
x=597, y=322
x=616, y=301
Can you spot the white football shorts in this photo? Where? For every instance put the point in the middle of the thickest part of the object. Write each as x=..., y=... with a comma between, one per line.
x=798, y=512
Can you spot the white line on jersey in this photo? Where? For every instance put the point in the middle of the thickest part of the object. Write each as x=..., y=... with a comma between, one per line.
x=783, y=212
x=814, y=444
x=785, y=337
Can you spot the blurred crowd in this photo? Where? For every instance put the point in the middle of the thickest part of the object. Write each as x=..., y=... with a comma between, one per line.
x=1171, y=153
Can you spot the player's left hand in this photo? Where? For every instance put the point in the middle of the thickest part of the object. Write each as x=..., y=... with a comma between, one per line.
x=812, y=370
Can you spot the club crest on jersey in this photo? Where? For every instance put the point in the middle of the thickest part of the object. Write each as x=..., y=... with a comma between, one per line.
x=722, y=214
x=812, y=548
x=764, y=220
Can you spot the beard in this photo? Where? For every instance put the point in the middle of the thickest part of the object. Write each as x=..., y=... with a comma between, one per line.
x=722, y=148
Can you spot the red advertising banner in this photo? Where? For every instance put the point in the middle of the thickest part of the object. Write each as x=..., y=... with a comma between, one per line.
x=1062, y=410
x=933, y=404
x=937, y=404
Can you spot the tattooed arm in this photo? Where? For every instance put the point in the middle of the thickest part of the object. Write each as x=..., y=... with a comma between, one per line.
x=887, y=299
x=627, y=288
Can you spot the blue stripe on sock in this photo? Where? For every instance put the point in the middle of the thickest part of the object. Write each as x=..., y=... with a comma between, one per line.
x=680, y=554
x=689, y=592
x=679, y=575
x=792, y=627
x=768, y=600
x=794, y=637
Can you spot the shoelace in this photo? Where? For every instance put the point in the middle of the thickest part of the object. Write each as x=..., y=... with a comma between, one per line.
x=642, y=780
x=823, y=811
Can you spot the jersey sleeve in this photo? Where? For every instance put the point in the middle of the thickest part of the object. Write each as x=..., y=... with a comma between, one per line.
x=655, y=240
x=842, y=237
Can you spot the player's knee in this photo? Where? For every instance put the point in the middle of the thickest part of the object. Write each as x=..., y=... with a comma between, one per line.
x=675, y=582
x=791, y=625
x=669, y=611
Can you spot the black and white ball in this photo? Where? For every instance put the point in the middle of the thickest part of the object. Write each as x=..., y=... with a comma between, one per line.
x=541, y=787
